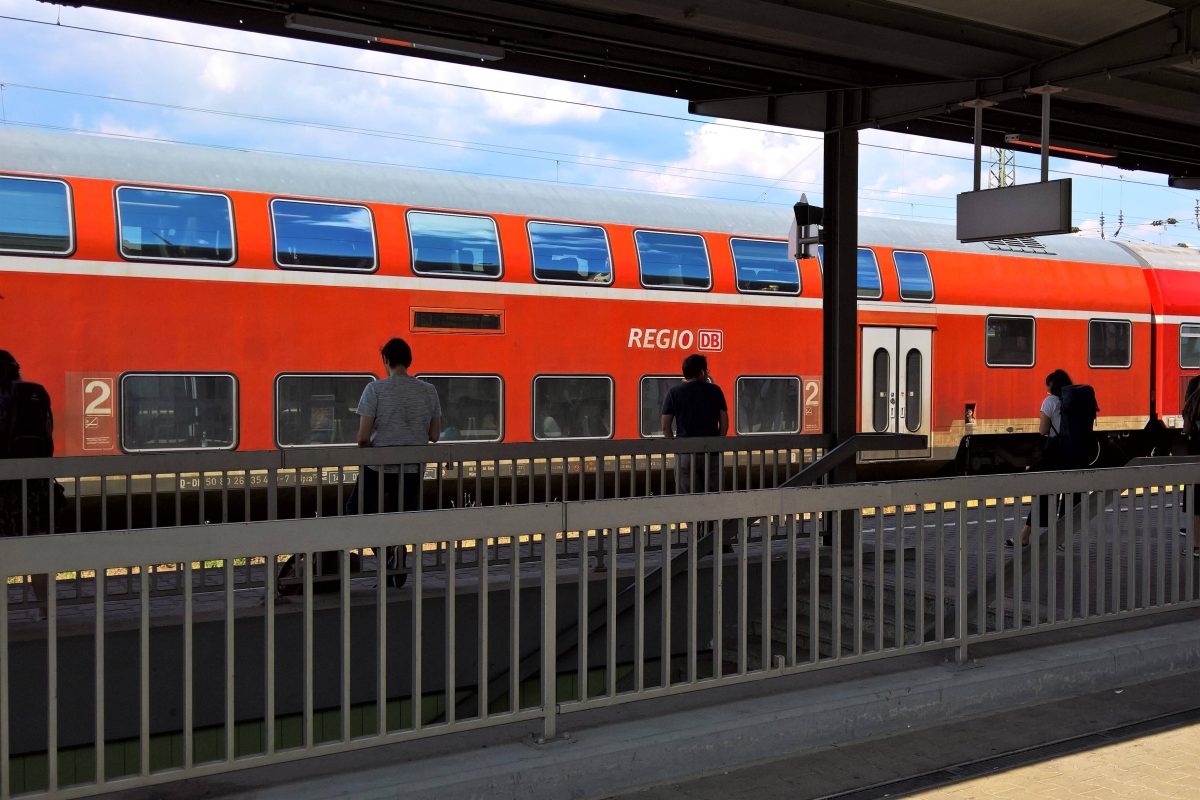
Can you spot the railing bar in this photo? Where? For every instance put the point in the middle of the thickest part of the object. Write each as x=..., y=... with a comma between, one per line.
x=835, y=562
x=78, y=509
x=768, y=539
x=344, y=585
x=1190, y=543
x=417, y=701
x=1003, y=526
x=51, y=678
x=921, y=572
x=981, y=564
x=514, y=618
x=693, y=613
x=878, y=579
x=153, y=499
x=5, y=744
x=482, y=564
x=1085, y=554
x=230, y=656
x=549, y=670
x=1147, y=532
x=610, y=657
x=898, y=636
x=859, y=573
x=270, y=562
x=103, y=504
x=1068, y=558
x=177, y=490
x=940, y=573
x=666, y=604
x=1173, y=555
x=961, y=590
x=1130, y=551
x=309, y=568
x=743, y=587
x=1160, y=545
x=459, y=501
x=582, y=624
x=100, y=589
x=224, y=495
x=1101, y=580
x=1035, y=565
x=790, y=521
x=814, y=585
x=639, y=606
x=452, y=625
x=143, y=671
x=381, y=648
x=718, y=566
x=188, y=692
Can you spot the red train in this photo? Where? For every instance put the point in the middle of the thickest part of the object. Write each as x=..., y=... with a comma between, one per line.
x=184, y=298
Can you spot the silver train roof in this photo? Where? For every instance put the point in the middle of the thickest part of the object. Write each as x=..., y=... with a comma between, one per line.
x=140, y=161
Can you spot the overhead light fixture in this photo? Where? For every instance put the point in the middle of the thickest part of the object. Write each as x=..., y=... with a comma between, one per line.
x=391, y=36
x=1060, y=146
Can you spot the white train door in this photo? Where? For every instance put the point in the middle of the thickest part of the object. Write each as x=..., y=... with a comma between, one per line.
x=897, y=378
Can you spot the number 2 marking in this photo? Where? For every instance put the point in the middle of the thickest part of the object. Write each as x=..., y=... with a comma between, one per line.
x=98, y=406
x=811, y=390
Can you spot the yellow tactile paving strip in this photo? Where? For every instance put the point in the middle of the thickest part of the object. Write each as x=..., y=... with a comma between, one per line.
x=1158, y=765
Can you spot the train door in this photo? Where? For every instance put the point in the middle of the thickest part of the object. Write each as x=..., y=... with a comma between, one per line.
x=897, y=378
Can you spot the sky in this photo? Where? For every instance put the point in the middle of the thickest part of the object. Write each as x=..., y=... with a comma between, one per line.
x=97, y=71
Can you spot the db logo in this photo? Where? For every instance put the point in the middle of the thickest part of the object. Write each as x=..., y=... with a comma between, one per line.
x=710, y=340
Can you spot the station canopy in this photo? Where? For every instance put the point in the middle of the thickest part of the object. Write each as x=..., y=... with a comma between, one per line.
x=1125, y=73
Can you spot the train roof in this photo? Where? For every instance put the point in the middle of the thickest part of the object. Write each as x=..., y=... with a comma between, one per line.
x=141, y=161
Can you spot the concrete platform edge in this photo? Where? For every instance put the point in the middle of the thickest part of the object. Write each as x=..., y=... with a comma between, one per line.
x=600, y=761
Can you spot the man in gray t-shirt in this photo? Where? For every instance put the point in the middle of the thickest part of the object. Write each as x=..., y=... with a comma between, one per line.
x=398, y=410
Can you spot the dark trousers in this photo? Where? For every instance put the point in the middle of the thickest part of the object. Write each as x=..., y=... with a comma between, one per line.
x=393, y=500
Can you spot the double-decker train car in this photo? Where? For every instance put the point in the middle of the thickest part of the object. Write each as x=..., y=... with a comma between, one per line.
x=176, y=298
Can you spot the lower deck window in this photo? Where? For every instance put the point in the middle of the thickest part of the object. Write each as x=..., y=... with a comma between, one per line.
x=472, y=406
x=1009, y=341
x=1109, y=343
x=768, y=405
x=651, y=392
x=178, y=412
x=572, y=407
x=314, y=410
x=1189, y=346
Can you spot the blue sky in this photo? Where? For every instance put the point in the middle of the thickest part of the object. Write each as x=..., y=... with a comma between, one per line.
x=221, y=87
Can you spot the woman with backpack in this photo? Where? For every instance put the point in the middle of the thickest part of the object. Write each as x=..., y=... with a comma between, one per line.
x=1050, y=426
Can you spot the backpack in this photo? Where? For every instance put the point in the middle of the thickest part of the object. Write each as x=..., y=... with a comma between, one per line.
x=1077, y=441
x=28, y=431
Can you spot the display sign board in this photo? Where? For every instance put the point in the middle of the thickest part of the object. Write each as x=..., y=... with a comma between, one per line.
x=1009, y=212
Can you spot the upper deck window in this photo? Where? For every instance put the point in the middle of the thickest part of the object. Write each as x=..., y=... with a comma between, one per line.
x=570, y=253
x=912, y=271
x=35, y=216
x=173, y=225
x=870, y=287
x=458, y=245
x=673, y=260
x=764, y=266
x=1110, y=343
x=1189, y=346
x=312, y=235
x=1009, y=341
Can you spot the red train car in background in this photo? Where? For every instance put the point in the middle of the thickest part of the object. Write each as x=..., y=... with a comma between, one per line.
x=184, y=298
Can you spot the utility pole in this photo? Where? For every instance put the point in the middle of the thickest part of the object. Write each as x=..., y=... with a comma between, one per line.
x=1002, y=168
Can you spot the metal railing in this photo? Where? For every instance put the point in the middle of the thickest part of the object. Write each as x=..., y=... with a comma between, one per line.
x=606, y=602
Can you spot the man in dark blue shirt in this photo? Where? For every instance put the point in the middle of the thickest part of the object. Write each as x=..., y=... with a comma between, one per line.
x=694, y=408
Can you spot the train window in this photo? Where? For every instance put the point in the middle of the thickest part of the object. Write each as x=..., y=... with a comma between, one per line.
x=912, y=271
x=572, y=407
x=1189, y=346
x=35, y=216
x=1009, y=341
x=313, y=410
x=652, y=389
x=1110, y=343
x=881, y=419
x=673, y=260
x=768, y=405
x=764, y=266
x=870, y=286
x=172, y=225
x=570, y=253
x=454, y=244
x=178, y=412
x=912, y=384
x=331, y=236
x=472, y=406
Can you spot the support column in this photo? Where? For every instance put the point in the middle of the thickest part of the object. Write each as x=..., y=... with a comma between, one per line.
x=840, y=279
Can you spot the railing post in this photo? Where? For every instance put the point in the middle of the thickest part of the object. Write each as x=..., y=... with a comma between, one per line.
x=961, y=619
x=550, y=631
